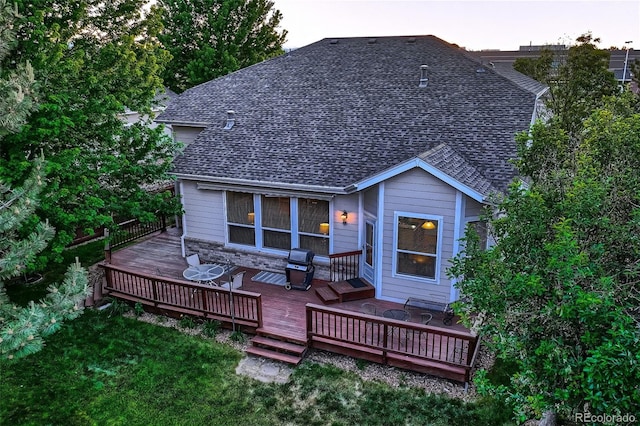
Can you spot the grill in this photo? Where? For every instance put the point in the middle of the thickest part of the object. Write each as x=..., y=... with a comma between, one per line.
x=299, y=269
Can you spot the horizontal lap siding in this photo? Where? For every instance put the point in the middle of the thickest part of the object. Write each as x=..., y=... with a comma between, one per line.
x=418, y=192
x=185, y=134
x=473, y=208
x=204, y=211
x=345, y=237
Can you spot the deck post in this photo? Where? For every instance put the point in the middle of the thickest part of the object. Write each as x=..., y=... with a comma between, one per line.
x=107, y=247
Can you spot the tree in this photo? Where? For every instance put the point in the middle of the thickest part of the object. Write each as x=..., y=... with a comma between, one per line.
x=211, y=38
x=92, y=59
x=559, y=290
x=577, y=84
x=22, y=329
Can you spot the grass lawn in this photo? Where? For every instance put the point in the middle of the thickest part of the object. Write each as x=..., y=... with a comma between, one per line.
x=114, y=370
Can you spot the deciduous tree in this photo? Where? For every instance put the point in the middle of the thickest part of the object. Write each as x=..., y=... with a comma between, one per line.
x=92, y=60
x=559, y=291
x=211, y=38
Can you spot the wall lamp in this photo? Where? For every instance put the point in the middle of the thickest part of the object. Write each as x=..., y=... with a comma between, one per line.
x=344, y=216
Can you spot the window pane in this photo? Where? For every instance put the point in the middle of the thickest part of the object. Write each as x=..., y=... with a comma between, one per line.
x=417, y=235
x=481, y=229
x=239, y=205
x=311, y=213
x=276, y=212
x=318, y=245
x=242, y=235
x=279, y=240
x=418, y=265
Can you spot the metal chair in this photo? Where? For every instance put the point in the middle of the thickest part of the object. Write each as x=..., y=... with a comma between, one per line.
x=236, y=281
x=193, y=260
x=369, y=308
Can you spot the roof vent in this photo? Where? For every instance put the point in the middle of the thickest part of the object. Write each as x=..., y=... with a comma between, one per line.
x=424, y=79
x=230, y=119
x=372, y=40
x=481, y=71
x=333, y=41
x=411, y=40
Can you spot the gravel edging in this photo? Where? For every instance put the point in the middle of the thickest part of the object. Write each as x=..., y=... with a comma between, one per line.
x=369, y=371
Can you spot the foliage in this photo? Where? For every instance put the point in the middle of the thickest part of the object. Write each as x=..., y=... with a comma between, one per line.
x=187, y=322
x=212, y=38
x=578, y=79
x=91, y=59
x=23, y=329
x=559, y=289
x=211, y=328
x=116, y=370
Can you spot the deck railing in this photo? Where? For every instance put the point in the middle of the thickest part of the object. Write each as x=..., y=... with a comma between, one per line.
x=393, y=338
x=241, y=307
x=129, y=231
x=344, y=266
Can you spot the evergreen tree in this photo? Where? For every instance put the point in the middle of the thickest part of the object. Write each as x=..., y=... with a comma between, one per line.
x=211, y=38
x=22, y=329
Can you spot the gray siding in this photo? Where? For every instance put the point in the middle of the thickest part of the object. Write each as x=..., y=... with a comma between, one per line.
x=204, y=211
x=418, y=192
x=371, y=201
x=345, y=237
x=186, y=134
x=473, y=208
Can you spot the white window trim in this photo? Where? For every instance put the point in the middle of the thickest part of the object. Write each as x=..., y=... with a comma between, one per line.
x=394, y=259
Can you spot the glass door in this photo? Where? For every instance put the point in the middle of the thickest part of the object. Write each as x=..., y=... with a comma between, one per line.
x=369, y=255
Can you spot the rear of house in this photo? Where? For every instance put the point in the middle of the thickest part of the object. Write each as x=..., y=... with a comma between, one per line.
x=390, y=146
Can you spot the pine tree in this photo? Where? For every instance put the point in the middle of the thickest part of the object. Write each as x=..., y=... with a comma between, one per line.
x=22, y=329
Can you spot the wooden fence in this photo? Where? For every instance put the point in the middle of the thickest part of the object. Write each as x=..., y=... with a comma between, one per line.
x=237, y=306
x=443, y=352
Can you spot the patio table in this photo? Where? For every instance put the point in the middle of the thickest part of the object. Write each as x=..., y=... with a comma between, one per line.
x=399, y=314
x=203, y=273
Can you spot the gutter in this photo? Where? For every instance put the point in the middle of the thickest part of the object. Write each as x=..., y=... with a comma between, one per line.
x=265, y=184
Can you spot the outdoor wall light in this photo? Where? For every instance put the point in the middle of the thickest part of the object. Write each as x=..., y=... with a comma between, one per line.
x=344, y=216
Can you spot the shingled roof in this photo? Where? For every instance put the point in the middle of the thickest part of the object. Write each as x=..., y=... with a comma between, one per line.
x=338, y=111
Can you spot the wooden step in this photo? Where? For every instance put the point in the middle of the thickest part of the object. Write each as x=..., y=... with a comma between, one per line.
x=277, y=356
x=279, y=345
x=282, y=335
x=327, y=295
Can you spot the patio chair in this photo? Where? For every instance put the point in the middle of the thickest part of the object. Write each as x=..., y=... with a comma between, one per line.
x=369, y=308
x=193, y=260
x=236, y=281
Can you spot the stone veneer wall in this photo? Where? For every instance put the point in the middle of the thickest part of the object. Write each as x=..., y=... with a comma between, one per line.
x=211, y=252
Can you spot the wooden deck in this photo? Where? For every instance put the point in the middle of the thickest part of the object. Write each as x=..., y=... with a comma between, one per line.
x=293, y=313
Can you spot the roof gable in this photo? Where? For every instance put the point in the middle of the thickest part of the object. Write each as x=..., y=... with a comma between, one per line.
x=342, y=110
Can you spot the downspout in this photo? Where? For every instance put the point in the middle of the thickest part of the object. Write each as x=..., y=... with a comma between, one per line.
x=184, y=220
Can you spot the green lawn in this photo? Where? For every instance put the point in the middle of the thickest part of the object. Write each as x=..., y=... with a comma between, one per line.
x=106, y=369
x=114, y=370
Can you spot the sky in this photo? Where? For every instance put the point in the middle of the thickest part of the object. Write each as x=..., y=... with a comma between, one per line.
x=473, y=24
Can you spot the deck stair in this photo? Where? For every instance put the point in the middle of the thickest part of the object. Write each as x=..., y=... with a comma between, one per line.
x=343, y=291
x=277, y=346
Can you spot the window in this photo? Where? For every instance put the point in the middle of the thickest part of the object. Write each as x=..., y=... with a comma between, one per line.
x=276, y=222
x=417, y=246
x=279, y=223
x=313, y=219
x=241, y=218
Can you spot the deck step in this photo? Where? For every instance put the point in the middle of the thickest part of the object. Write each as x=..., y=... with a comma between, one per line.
x=277, y=356
x=327, y=295
x=279, y=345
x=282, y=335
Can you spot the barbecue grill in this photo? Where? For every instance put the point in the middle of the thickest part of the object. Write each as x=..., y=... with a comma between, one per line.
x=299, y=269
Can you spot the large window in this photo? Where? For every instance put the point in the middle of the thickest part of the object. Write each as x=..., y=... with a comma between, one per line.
x=313, y=225
x=279, y=223
x=417, y=246
x=276, y=222
x=241, y=218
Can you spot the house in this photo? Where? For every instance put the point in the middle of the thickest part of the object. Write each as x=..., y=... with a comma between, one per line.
x=389, y=145
x=159, y=103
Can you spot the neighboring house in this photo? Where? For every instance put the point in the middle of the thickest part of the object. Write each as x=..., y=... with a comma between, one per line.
x=159, y=103
x=391, y=145
x=620, y=61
